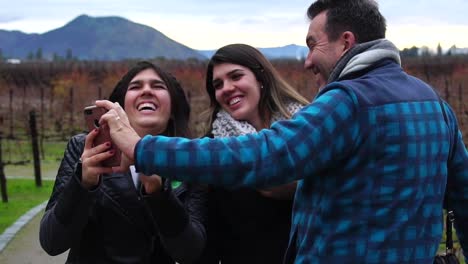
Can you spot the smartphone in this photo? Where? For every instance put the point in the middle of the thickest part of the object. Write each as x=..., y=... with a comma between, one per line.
x=92, y=115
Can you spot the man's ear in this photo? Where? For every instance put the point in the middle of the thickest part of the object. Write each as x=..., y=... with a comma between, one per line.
x=348, y=39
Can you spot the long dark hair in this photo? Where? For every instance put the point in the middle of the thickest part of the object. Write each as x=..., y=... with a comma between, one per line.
x=276, y=92
x=180, y=108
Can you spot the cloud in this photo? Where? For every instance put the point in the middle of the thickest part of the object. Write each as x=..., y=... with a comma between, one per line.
x=402, y=11
x=252, y=21
x=7, y=18
x=204, y=24
x=416, y=35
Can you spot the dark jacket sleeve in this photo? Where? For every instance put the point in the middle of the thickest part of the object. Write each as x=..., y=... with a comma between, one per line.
x=68, y=208
x=181, y=225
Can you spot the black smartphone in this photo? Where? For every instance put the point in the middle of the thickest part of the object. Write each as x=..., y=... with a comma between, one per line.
x=92, y=115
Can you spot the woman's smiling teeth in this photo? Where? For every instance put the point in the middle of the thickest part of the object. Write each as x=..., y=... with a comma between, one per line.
x=234, y=100
x=147, y=106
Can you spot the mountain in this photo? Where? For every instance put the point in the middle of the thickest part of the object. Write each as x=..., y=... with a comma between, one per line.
x=113, y=38
x=289, y=51
x=100, y=38
x=285, y=52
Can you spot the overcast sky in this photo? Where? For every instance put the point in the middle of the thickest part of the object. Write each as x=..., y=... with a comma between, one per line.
x=210, y=24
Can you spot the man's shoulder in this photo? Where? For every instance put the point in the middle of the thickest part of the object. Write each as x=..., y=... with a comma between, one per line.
x=386, y=84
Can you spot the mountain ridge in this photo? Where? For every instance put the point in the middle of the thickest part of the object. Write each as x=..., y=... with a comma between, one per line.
x=112, y=38
x=97, y=38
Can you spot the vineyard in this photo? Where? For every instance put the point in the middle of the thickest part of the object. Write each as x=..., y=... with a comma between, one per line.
x=55, y=93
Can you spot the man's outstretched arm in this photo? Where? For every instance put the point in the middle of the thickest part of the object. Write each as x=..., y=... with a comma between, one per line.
x=321, y=133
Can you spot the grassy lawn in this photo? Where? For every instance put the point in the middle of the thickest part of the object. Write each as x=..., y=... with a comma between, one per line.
x=16, y=151
x=48, y=170
x=21, y=188
x=22, y=196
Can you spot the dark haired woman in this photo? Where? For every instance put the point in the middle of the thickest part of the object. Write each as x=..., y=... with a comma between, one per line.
x=104, y=217
x=247, y=94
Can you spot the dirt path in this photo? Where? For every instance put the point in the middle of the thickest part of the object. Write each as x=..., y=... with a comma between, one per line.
x=24, y=248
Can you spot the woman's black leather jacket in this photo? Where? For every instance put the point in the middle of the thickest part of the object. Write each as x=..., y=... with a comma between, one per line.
x=115, y=223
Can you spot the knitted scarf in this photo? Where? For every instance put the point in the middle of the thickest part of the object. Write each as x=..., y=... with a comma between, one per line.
x=225, y=126
x=364, y=55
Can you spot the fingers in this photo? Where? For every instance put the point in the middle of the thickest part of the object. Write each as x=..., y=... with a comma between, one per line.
x=96, y=159
x=112, y=112
x=122, y=133
x=115, y=118
x=90, y=138
x=92, y=164
x=104, y=103
x=125, y=163
x=120, y=111
x=120, y=169
x=151, y=183
x=114, y=109
x=92, y=157
x=149, y=179
x=109, y=118
x=89, y=150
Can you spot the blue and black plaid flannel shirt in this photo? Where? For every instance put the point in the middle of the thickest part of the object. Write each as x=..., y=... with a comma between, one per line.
x=371, y=156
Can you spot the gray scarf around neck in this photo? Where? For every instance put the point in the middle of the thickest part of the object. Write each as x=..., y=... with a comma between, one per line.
x=226, y=126
x=364, y=55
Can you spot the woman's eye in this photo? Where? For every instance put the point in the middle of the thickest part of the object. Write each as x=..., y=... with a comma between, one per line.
x=217, y=86
x=236, y=77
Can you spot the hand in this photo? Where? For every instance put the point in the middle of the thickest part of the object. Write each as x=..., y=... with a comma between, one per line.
x=282, y=192
x=151, y=183
x=91, y=159
x=122, y=133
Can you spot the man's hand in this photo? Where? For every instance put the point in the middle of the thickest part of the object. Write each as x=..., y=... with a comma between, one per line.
x=122, y=134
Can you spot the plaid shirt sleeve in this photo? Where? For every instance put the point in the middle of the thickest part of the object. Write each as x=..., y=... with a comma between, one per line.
x=321, y=133
x=458, y=185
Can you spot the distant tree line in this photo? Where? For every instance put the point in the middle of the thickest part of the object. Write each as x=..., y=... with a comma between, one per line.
x=38, y=56
x=424, y=51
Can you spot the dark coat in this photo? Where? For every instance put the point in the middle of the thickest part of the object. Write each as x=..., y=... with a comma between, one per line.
x=246, y=227
x=115, y=224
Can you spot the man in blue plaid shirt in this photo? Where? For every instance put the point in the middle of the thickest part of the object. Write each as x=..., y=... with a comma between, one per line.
x=372, y=153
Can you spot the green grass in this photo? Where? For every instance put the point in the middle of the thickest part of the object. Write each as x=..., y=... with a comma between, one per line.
x=15, y=151
x=48, y=170
x=22, y=196
x=21, y=189
x=21, y=150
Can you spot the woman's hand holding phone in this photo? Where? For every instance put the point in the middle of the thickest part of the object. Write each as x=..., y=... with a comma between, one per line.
x=92, y=158
x=92, y=115
x=123, y=135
